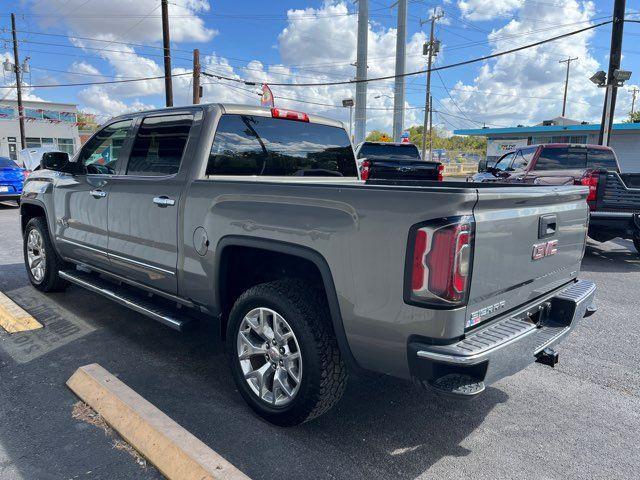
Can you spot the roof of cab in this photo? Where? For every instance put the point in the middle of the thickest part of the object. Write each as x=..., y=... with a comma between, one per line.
x=235, y=108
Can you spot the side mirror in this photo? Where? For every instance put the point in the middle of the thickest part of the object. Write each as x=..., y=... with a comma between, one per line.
x=57, y=161
x=482, y=166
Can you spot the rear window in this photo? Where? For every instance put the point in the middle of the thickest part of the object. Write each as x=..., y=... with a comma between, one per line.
x=7, y=163
x=561, y=158
x=255, y=145
x=601, y=158
x=390, y=152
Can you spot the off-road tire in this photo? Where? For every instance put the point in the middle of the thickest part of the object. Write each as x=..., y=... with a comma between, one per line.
x=53, y=263
x=324, y=372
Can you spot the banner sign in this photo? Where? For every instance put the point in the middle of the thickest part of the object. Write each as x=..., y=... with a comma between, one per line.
x=497, y=148
x=267, y=97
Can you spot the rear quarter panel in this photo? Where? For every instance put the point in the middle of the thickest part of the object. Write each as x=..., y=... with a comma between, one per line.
x=360, y=230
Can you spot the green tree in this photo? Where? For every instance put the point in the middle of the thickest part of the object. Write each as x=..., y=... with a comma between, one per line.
x=633, y=118
x=378, y=136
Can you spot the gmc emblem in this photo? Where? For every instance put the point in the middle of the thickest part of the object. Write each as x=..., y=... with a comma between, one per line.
x=541, y=250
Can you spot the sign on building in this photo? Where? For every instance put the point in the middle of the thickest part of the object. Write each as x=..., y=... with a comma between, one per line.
x=497, y=148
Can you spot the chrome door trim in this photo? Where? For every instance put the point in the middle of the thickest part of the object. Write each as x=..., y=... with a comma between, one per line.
x=71, y=242
x=141, y=264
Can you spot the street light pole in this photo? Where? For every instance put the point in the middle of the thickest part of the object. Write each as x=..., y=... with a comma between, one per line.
x=361, y=71
x=401, y=60
x=16, y=69
x=566, y=82
x=615, y=56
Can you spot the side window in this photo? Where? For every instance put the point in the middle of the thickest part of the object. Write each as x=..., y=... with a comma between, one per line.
x=505, y=161
x=101, y=153
x=523, y=158
x=159, y=144
x=561, y=158
x=601, y=158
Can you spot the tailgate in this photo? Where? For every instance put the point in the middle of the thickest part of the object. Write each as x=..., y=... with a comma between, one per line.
x=512, y=223
x=409, y=170
x=618, y=192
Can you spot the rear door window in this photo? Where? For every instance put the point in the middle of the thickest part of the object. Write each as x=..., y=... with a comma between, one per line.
x=256, y=145
x=601, y=158
x=562, y=158
x=159, y=144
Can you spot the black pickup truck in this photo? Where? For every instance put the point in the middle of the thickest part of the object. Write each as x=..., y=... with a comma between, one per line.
x=614, y=201
x=395, y=161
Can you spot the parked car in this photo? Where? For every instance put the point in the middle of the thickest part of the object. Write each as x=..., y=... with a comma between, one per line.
x=11, y=180
x=614, y=197
x=395, y=161
x=256, y=218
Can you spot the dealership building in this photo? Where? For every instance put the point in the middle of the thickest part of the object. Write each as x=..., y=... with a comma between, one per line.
x=625, y=138
x=45, y=123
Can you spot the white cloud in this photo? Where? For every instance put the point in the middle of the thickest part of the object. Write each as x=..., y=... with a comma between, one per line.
x=138, y=21
x=488, y=9
x=527, y=87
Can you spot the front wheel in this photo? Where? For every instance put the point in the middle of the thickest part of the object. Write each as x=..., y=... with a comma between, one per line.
x=283, y=353
x=41, y=260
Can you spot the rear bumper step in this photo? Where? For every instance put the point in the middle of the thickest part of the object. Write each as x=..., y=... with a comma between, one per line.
x=507, y=345
x=154, y=307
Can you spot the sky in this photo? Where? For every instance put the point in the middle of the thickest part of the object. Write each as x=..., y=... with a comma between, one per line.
x=283, y=41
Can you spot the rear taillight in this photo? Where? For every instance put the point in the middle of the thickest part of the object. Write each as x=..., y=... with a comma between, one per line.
x=440, y=172
x=441, y=262
x=590, y=179
x=365, y=169
x=289, y=114
x=25, y=174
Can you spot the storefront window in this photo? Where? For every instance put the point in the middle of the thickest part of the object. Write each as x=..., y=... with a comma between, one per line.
x=66, y=145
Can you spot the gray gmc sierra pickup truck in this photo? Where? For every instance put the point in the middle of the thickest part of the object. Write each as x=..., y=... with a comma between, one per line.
x=257, y=218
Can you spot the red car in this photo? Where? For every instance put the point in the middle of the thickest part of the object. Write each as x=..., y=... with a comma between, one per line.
x=614, y=197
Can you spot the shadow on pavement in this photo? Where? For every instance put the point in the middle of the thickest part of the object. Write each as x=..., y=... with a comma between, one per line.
x=614, y=256
x=383, y=427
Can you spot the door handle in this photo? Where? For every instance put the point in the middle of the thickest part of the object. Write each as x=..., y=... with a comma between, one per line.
x=98, y=193
x=164, y=201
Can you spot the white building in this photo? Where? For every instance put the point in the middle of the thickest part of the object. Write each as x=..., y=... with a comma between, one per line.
x=45, y=123
x=625, y=138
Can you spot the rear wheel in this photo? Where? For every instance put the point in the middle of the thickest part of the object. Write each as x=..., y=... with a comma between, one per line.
x=283, y=354
x=41, y=260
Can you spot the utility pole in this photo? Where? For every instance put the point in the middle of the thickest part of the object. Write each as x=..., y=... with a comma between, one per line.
x=566, y=82
x=168, y=87
x=361, y=71
x=633, y=99
x=16, y=68
x=196, y=77
x=430, y=129
x=614, y=64
x=401, y=60
x=430, y=51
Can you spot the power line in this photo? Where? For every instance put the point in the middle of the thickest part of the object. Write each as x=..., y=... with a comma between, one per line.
x=433, y=69
x=106, y=82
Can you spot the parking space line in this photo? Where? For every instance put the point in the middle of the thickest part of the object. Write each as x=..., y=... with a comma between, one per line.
x=13, y=318
x=173, y=450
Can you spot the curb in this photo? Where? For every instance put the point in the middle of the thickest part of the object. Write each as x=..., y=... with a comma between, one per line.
x=14, y=318
x=174, y=451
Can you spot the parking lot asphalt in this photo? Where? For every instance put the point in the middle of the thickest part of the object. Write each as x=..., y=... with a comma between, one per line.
x=579, y=420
